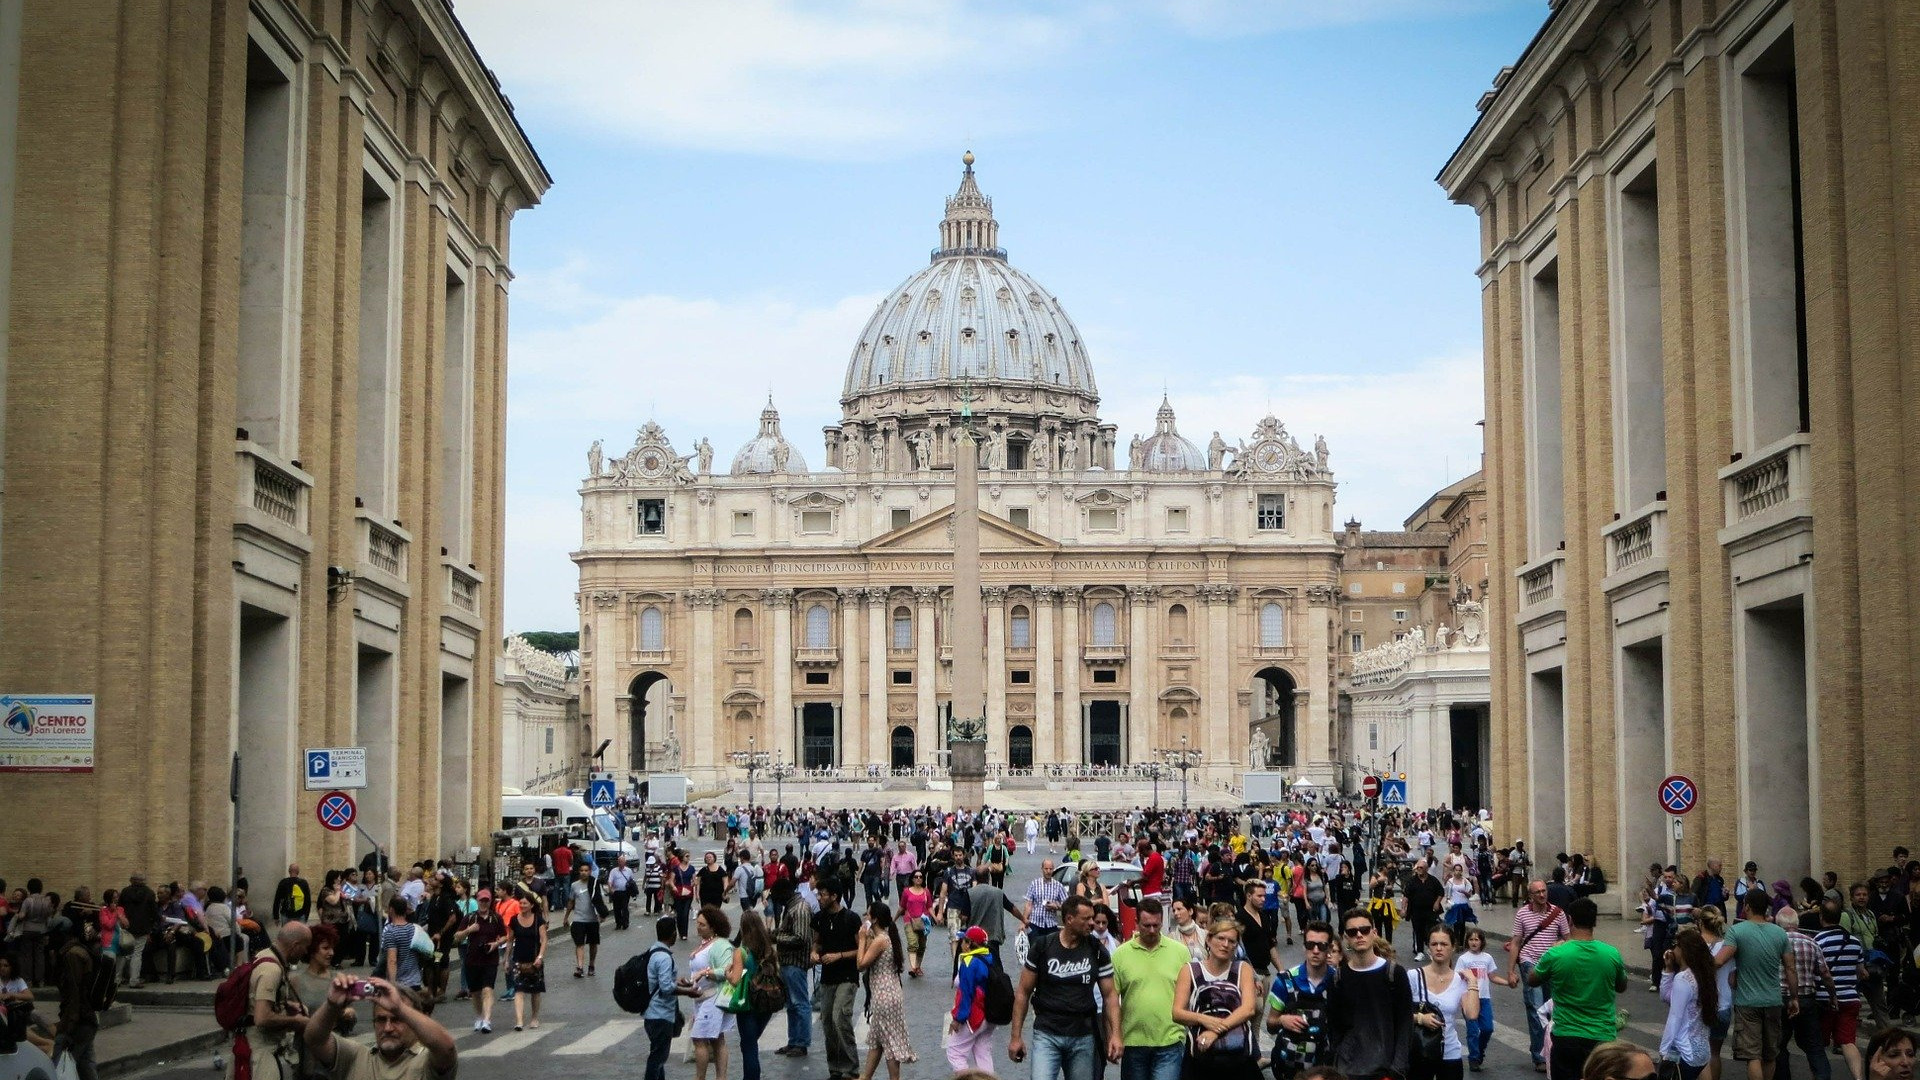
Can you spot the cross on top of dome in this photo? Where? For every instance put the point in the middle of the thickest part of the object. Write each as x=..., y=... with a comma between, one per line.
x=969, y=227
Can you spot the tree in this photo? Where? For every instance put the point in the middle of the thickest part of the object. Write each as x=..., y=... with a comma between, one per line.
x=562, y=643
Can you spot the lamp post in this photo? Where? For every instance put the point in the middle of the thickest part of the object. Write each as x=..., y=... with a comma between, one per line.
x=753, y=760
x=1183, y=758
x=781, y=770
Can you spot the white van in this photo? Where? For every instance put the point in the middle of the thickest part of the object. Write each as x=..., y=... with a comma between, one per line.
x=602, y=831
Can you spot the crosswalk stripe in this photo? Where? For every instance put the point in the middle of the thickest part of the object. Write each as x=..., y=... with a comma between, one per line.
x=502, y=1045
x=599, y=1039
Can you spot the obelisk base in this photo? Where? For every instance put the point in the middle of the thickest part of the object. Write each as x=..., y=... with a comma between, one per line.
x=968, y=768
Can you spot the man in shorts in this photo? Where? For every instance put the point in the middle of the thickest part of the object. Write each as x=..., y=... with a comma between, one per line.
x=1766, y=966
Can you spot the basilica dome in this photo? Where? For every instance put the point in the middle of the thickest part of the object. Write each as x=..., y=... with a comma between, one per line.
x=769, y=452
x=1166, y=450
x=969, y=315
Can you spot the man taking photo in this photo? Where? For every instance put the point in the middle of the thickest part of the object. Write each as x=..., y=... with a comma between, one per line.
x=407, y=1043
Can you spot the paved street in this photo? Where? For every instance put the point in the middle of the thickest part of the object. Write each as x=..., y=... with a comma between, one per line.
x=584, y=1034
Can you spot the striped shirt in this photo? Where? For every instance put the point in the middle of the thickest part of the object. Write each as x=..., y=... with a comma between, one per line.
x=1844, y=955
x=1809, y=966
x=1042, y=891
x=1525, y=922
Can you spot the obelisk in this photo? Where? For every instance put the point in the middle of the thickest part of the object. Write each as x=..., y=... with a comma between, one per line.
x=967, y=763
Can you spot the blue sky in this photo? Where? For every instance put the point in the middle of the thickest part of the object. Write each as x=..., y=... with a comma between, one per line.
x=1235, y=202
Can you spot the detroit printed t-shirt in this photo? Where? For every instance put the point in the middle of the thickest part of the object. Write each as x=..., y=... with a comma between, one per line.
x=1063, y=994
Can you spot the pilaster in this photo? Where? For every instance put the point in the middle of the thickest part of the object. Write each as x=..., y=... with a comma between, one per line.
x=853, y=722
x=703, y=608
x=879, y=714
x=1218, y=706
x=995, y=599
x=779, y=604
x=1045, y=744
x=928, y=734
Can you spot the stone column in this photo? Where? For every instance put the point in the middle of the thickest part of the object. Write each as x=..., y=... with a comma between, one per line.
x=928, y=735
x=601, y=615
x=779, y=656
x=853, y=743
x=1142, y=709
x=1046, y=748
x=879, y=714
x=702, y=717
x=995, y=598
x=1073, y=748
x=1220, y=740
x=1318, y=744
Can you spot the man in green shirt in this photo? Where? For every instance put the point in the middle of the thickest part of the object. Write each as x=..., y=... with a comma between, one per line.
x=1582, y=975
x=1766, y=965
x=1145, y=969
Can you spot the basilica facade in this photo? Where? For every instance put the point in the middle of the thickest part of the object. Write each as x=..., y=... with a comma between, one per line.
x=1140, y=596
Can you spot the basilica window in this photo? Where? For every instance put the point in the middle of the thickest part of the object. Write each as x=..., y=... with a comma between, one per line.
x=1016, y=454
x=1021, y=516
x=1105, y=632
x=819, y=627
x=902, y=628
x=549, y=740
x=1273, y=625
x=1272, y=513
x=1020, y=629
x=902, y=517
x=743, y=628
x=653, y=630
x=1399, y=614
x=1356, y=643
x=743, y=523
x=1176, y=519
x=1103, y=519
x=816, y=521
x=1177, y=624
x=651, y=517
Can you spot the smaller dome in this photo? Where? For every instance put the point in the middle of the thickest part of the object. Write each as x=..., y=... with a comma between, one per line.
x=769, y=452
x=1166, y=450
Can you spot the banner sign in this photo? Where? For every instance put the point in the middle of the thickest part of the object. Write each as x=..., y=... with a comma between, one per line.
x=46, y=733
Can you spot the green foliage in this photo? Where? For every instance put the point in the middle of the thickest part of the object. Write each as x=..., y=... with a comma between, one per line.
x=558, y=642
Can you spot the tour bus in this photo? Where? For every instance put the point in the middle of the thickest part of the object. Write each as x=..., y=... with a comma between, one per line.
x=600, y=831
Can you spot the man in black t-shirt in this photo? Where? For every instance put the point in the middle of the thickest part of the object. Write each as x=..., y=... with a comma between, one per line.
x=1058, y=981
x=953, y=904
x=1369, y=1007
x=836, y=950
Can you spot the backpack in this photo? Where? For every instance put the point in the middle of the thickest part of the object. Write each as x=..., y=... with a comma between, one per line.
x=231, y=1008
x=630, y=983
x=998, y=1004
x=105, y=982
x=1219, y=998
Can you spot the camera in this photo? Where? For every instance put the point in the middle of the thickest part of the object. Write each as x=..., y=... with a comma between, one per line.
x=361, y=990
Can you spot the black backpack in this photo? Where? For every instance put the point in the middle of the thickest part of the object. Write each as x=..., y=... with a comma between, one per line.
x=631, y=989
x=105, y=983
x=998, y=1003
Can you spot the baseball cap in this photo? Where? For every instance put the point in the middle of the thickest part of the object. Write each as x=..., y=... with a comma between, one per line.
x=1751, y=865
x=485, y=894
x=977, y=935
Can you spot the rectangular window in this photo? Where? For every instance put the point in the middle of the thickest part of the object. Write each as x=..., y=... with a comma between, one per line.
x=1103, y=519
x=1106, y=675
x=1399, y=614
x=269, y=223
x=1176, y=519
x=1021, y=516
x=1373, y=736
x=456, y=416
x=1020, y=630
x=549, y=740
x=816, y=521
x=1356, y=615
x=1771, y=240
x=902, y=517
x=1272, y=513
x=1020, y=678
x=1640, y=437
x=903, y=677
x=651, y=517
x=1546, y=480
x=902, y=629
x=743, y=523
x=816, y=678
x=1016, y=454
x=376, y=433
x=1356, y=643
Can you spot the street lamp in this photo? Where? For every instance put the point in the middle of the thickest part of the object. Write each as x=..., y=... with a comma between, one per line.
x=1183, y=759
x=781, y=769
x=753, y=760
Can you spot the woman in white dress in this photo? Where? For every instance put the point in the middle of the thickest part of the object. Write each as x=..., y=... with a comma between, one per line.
x=1452, y=994
x=705, y=972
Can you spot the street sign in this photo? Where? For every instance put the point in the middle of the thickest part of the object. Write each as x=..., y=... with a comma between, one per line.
x=1393, y=793
x=332, y=767
x=1678, y=795
x=600, y=793
x=1679, y=831
x=1370, y=787
x=336, y=811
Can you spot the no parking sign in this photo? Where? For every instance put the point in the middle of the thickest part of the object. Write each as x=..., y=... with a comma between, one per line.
x=336, y=811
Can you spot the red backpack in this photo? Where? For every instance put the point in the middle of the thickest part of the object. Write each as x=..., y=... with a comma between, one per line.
x=232, y=1007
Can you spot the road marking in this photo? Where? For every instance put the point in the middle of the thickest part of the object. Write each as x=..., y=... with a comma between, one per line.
x=502, y=1045
x=600, y=1039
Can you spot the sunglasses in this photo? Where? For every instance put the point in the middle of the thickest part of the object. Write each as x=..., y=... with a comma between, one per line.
x=1318, y=946
x=1357, y=931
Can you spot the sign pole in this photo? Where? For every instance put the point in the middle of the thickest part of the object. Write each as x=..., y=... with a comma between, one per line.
x=233, y=877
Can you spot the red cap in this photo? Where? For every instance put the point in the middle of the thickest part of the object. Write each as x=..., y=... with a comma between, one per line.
x=977, y=935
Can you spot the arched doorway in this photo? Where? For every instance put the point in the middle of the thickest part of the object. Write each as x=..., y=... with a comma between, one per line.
x=1020, y=747
x=646, y=701
x=1273, y=714
x=902, y=747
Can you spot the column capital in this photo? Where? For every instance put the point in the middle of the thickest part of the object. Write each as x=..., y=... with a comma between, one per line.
x=993, y=595
x=606, y=599
x=1213, y=593
x=1046, y=594
x=1072, y=593
x=1320, y=594
x=776, y=597
x=1143, y=593
x=927, y=594
x=704, y=599
x=875, y=595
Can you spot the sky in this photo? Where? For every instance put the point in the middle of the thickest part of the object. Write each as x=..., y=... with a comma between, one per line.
x=1233, y=200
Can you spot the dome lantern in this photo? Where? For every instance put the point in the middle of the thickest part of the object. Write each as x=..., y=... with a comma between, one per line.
x=969, y=227
x=769, y=452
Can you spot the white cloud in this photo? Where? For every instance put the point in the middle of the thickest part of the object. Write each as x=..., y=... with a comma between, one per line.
x=844, y=79
x=1397, y=432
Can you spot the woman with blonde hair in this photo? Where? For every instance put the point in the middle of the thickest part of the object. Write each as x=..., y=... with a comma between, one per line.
x=1713, y=931
x=1214, y=998
x=1618, y=1060
x=1089, y=885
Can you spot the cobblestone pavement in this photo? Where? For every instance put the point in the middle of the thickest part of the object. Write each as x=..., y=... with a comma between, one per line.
x=584, y=1034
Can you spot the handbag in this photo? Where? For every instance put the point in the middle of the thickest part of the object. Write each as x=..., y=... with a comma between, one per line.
x=766, y=991
x=1429, y=1044
x=422, y=942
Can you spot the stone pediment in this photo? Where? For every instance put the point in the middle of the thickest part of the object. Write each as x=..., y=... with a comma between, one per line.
x=934, y=532
x=741, y=697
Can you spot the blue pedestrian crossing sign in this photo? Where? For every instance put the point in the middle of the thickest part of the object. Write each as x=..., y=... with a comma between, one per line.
x=599, y=793
x=1393, y=793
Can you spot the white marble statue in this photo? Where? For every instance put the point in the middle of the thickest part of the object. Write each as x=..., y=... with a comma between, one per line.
x=595, y=457
x=1216, y=452
x=1259, y=749
x=704, y=451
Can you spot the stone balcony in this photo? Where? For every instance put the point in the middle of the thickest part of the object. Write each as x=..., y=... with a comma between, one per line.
x=463, y=594
x=272, y=497
x=816, y=657
x=1103, y=654
x=1636, y=547
x=1543, y=602
x=1768, y=502
x=383, y=551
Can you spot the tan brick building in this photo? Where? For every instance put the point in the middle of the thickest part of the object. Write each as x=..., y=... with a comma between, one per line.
x=253, y=347
x=1701, y=411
